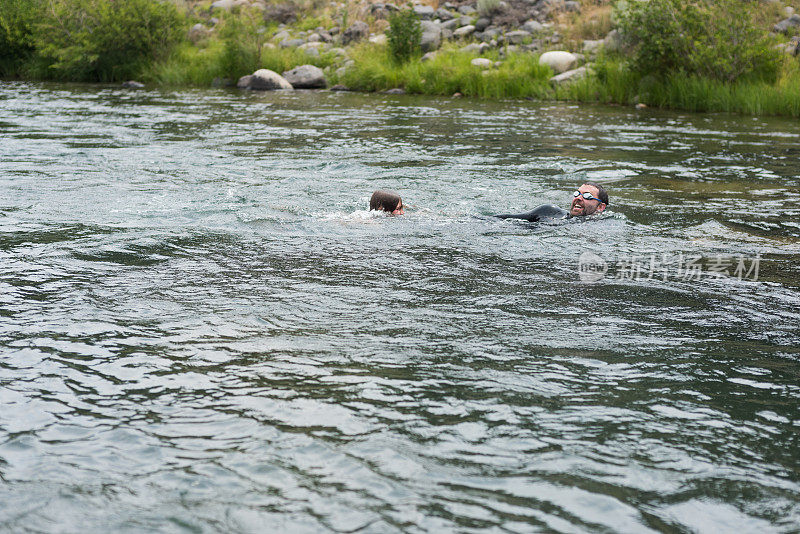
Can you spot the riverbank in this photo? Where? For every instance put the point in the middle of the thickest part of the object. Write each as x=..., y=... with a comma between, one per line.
x=487, y=49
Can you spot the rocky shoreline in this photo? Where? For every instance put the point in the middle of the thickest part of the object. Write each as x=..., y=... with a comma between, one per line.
x=505, y=26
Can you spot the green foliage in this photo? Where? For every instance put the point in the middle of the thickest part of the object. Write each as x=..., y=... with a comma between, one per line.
x=309, y=23
x=189, y=65
x=404, y=35
x=105, y=40
x=449, y=72
x=615, y=82
x=244, y=39
x=192, y=65
x=283, y=59
x=718, y=39
x=17, y=21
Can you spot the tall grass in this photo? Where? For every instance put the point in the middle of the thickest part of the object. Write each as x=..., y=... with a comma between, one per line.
x=190, y=65
x=449, y=72
x=614, y=82
x=283, y=59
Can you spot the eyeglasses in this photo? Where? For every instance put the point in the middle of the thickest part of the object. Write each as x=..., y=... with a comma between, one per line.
x=586, y=195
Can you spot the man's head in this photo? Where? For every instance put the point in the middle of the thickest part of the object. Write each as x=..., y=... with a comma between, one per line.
x=597, y=201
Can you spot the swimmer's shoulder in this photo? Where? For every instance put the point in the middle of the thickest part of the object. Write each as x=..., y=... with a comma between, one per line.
x=540, y=213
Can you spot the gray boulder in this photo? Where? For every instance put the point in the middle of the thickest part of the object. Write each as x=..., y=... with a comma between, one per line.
x=306, y=77
x=379, y=10
x=423, y=12
x=592, y=47
x=431, y=36
x=464, y=31
x=465, y=21
x=482, y=23
x=786, y=25
x=558, y=60
x=569, y=76
x=225, y=5
x=451, y=24
x=517, y=36
x=482, y=63
x=198, y=32
x=475, y=48
x=572, y=6
x=467, y=10
x=533, y=26
x=358, y=31
x=292, y=43
x=244, y=82
x=443, y=15
x=266, y=80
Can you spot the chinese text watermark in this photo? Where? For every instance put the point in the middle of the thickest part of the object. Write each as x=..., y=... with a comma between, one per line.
x=666, y=267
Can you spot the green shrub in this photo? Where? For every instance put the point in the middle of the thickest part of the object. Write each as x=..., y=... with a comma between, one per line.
x=106, y=40
x=718, y=39
x=244, y=40
x=17, y=21
x=188, y=65
x=404, y=35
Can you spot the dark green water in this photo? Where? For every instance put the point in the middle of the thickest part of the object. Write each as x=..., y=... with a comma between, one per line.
x=203, y=330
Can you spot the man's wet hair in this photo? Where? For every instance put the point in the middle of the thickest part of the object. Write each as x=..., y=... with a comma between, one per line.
x=601, y=192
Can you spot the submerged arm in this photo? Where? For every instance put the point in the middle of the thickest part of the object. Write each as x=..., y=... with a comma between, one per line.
x=546, y=211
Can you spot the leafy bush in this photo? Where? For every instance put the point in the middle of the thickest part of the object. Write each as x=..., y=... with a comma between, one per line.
x=404, y=35
x=106, y=40
x=714, y=38
x=17, y=20
x=244, y=40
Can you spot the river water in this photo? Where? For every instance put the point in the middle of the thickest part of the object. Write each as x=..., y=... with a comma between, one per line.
x=202, y=329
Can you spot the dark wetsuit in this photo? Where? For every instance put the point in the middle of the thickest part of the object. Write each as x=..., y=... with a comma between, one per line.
x=543, y=212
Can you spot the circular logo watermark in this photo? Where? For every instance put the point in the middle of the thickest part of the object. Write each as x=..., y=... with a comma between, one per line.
x=591, y=267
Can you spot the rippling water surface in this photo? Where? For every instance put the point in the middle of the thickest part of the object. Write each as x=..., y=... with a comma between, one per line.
x=203, y=330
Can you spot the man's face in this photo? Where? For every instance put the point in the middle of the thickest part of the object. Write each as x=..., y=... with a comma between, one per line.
x=582, y=206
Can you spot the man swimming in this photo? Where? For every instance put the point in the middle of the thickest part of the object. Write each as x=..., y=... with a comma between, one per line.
x=590, y=198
